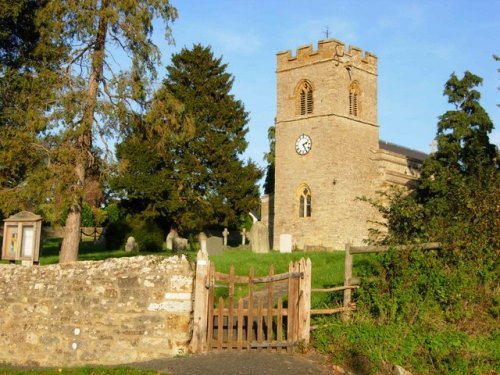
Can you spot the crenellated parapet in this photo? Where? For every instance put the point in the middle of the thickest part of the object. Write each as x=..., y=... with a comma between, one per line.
x=329, y=49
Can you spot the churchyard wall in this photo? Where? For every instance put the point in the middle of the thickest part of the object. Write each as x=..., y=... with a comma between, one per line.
x=108, y=312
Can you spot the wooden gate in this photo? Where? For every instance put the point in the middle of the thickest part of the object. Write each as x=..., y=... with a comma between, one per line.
x=248, y=312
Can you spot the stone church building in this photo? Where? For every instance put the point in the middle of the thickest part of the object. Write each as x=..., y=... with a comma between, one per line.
x=328, y=151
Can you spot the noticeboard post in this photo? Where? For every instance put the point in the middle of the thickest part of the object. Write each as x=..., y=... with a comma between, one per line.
x=21, y=240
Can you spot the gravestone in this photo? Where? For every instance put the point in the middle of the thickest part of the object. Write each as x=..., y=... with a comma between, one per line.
x=170, y=239
x=243, y=236
x=215, y=245
x=285, y=243
x=259, y=238
x=131, y=245
x=180, y=244
x=225, y=234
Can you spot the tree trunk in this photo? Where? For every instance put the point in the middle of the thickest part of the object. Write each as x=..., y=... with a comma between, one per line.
x=71, y=241
x=84, y=160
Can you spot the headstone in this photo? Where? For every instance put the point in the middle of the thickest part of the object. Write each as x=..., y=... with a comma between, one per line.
x=225, y=234
x=243, y=236
x=170, y=239
x=131, y=245
x=180, y=244
x=285, y=243
x=202, y=237
x=259, y=238
x=215, y=245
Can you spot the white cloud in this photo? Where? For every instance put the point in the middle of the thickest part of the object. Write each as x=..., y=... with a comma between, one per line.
x=243, y=43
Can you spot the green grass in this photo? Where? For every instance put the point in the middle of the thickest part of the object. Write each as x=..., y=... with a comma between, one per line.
x=327, y=270
x=328, y=267
x=49, y=252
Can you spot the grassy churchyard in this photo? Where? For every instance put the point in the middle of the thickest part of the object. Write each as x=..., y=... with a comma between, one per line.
x=327, y=267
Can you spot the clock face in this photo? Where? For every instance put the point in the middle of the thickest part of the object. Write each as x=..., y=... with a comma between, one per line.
x=303, y=144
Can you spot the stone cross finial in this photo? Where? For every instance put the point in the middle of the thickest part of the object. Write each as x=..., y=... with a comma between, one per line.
x=225, y=234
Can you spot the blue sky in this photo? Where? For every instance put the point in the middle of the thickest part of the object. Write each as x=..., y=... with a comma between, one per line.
x=418, y=44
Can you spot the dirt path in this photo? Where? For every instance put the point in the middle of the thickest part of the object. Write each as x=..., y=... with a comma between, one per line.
x=242, y=363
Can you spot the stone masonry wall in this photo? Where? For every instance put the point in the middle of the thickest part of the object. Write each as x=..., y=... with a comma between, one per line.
x=109, y=312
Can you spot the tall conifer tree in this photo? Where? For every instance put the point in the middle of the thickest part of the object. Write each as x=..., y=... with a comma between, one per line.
x=205, y=183
x=28, y=79
x=91, y=100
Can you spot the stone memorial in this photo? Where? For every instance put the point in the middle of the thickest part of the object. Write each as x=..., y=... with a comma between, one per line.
x=170, y=239
x=180, y=244
x=285, y=243
x=259, y=238
x=243, y=236
x=131, y=245
x=225, y=234
x=215, y=245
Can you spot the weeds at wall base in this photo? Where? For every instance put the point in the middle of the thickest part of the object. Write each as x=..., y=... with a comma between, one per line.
x=367, y=348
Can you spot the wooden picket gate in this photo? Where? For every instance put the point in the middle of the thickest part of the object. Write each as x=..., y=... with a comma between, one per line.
x=274, y=314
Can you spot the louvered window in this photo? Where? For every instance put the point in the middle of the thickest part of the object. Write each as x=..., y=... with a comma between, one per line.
x=354, y=99
x=306, y=99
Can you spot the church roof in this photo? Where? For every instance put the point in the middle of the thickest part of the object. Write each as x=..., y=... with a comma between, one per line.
x=408, y=152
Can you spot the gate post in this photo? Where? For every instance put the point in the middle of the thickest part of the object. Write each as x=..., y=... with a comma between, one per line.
x=199, y=339
x=305, y=301
x=347, y=280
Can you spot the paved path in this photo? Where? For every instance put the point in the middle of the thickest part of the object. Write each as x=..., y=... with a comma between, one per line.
x=242, y=363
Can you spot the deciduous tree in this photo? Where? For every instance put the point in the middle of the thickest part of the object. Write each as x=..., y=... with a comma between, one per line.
x=270, y=157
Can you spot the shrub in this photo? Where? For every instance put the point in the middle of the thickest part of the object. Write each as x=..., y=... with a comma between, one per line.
x=148, y=235
x=116, y=235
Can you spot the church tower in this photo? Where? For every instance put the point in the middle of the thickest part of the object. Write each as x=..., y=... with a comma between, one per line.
x=326, y=139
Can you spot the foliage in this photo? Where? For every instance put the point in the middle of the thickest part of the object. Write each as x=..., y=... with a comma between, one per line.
x=59, y=129
x=367, y=348
x=270, y=158
x=113, y=213
x=446, y=301
x=28, y=79
x=116, y=235
x=148, y=235
x=188, y=170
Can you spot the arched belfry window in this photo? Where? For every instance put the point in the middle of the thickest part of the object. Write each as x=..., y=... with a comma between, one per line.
x=305, y=200
x=354, y=99
x=305, y=98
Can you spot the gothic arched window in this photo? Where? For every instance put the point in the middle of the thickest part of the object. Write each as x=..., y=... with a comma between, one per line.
x=305, y=208
x=354, y=96
x=305, y=98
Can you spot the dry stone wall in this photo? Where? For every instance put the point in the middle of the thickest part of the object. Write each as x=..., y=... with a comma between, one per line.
x=109, y=312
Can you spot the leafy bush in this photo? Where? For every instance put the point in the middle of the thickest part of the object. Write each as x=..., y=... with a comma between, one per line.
x=148, y=235
x=87, y=216
x=112, y=213
x=435, y=312
x=116, y=235
x=422, y=349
